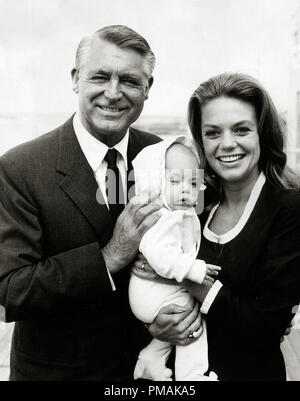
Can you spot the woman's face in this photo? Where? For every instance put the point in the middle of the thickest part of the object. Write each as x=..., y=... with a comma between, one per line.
x=230, y=139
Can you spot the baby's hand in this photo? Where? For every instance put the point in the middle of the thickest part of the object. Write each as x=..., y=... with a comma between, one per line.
x=211, y=271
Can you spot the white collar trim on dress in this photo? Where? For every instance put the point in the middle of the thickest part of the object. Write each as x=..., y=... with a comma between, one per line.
x=229, y=235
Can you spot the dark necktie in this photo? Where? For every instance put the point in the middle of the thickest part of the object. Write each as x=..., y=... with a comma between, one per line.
x=114, y=187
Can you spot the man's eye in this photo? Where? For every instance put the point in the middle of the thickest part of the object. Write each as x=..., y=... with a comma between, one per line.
x=99, y=78
x=130, y=82
x=194, y=184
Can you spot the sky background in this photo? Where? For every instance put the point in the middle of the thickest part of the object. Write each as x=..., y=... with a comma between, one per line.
x=192, y=40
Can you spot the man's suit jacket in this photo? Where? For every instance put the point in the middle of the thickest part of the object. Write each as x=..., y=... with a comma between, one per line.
x=70, y=325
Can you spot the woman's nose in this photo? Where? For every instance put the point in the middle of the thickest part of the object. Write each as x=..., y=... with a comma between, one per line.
x=228, y=140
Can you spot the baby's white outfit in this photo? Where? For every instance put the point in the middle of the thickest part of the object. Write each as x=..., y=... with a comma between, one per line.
x=170, y=247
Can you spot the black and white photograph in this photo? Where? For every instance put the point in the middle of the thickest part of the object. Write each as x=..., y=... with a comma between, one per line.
x=150, y=193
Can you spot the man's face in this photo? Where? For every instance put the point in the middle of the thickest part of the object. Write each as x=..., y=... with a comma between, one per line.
x=112, y=85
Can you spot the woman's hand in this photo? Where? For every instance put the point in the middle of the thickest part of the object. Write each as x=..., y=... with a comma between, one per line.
x=179, y=325
x=198, y=291
x=142, y=269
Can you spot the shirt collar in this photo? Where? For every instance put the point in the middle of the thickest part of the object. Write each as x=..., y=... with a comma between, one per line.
x=95, y=150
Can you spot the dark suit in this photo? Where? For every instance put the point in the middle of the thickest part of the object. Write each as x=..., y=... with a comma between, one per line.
x=261, y=285
x=53, y=279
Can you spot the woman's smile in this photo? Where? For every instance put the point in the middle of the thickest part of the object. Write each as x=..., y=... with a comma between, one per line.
x=230, y=158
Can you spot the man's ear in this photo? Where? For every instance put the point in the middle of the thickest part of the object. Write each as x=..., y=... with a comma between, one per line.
x=150, y=83
x=75, y=79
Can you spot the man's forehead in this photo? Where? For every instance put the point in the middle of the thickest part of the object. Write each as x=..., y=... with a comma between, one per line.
x=102, y=45
x=107, y=56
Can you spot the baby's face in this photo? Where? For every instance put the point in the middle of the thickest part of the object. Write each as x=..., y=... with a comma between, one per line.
x=183, y=178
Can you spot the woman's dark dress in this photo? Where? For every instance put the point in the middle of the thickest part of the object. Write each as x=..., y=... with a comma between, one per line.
x=261, y=284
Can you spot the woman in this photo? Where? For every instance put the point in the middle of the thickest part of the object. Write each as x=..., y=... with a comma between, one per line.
x=252, y=231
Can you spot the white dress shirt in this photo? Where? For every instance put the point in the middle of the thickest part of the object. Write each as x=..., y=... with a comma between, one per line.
x=94, y=152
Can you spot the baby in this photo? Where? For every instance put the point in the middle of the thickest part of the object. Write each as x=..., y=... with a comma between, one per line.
x=171, y=247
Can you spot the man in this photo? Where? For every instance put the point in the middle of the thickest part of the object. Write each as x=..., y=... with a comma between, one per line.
x=64, y=252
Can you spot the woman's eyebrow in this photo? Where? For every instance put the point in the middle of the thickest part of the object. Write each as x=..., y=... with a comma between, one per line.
x=210, y=126
x=248, y=122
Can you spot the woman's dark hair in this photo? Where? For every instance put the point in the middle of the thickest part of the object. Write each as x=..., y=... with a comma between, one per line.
x=270, y=125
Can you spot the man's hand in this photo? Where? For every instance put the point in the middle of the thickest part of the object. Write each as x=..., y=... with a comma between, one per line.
x=174, y=323
x=140, y=214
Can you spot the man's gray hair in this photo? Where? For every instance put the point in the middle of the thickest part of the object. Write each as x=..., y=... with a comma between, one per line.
x=121, y=36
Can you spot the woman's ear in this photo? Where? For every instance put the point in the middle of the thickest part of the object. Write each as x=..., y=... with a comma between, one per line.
x=75, y=79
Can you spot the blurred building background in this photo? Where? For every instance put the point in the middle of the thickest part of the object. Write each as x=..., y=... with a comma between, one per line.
x=192, y=39
x=293, y=110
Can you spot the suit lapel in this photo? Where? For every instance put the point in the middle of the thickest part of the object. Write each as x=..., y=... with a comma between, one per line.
x=135, y=144
x=77, y=180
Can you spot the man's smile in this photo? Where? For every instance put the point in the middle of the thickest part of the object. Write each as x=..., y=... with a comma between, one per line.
x=112, y=109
